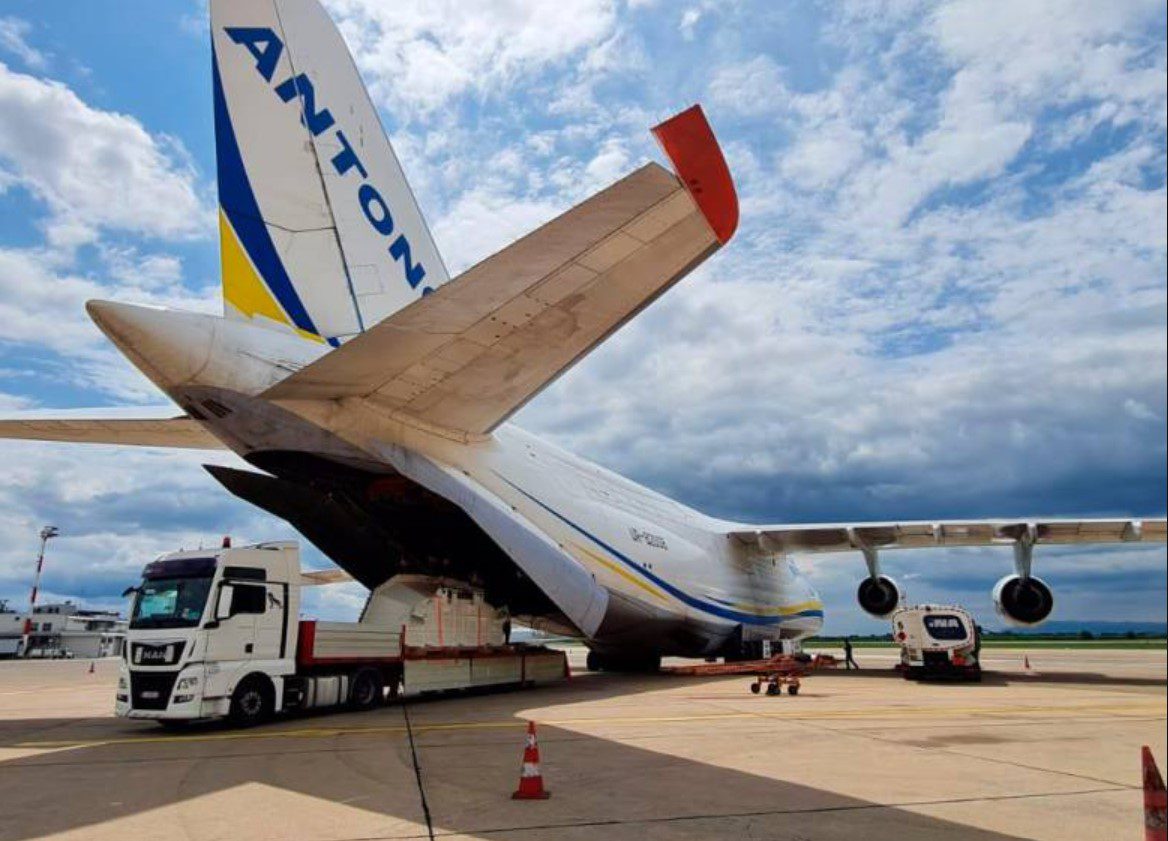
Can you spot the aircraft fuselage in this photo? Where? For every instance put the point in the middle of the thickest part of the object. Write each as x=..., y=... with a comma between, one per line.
x=630, y=569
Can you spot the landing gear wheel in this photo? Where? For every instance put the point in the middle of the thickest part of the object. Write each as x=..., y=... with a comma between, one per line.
x=637, y=664
x=367, y=690
x=251, y=702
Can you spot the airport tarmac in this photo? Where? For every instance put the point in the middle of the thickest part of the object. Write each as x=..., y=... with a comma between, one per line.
x=1050, y=754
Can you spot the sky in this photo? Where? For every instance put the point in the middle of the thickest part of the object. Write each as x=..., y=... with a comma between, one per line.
x=946, y=297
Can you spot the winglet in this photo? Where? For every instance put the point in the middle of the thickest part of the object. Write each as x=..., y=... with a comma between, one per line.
x=690, y=144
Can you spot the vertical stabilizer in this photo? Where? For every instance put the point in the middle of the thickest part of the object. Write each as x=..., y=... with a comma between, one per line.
x=319, y=229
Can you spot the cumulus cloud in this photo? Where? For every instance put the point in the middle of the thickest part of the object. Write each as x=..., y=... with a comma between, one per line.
x=94, y=170
x=420, y=56
x=98, y=180
x=14, y=39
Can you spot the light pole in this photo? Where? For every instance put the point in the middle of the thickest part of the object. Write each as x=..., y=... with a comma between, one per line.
x=46, y=533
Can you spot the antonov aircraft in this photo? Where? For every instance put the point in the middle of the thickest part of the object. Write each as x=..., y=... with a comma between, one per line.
x=372, y=391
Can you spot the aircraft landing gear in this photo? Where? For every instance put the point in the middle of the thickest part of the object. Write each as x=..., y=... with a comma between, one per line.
x=598, y=662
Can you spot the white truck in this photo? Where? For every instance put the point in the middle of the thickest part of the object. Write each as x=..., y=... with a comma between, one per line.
x=937, y=641
x=216, y=634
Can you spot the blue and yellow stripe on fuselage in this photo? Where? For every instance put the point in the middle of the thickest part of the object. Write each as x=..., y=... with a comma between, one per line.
x=736, y=612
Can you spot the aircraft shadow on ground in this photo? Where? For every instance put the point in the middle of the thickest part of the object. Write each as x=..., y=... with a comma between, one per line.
x=993, y=678
x=601, y=786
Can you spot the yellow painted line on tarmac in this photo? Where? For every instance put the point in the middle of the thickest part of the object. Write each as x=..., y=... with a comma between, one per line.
x=1155, y=710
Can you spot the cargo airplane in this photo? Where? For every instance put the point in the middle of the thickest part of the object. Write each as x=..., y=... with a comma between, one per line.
x=372, y=392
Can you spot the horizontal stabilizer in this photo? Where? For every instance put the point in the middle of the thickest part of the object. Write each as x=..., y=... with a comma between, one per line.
x=98, y=426
x=472, y=353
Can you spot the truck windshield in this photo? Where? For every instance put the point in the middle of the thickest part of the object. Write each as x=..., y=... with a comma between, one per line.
x=945, y=626
x=170, y=602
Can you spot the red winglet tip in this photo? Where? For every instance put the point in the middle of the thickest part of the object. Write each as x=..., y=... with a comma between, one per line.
x=692, y=148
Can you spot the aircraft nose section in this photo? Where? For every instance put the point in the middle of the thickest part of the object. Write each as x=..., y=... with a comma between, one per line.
x=169, y=347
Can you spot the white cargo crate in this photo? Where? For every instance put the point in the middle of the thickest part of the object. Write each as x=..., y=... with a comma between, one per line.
x=545, y=666
x=435, y=675
x=487, y=671
x=348, y=640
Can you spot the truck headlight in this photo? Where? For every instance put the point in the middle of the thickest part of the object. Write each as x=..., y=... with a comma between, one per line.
x=186, y=683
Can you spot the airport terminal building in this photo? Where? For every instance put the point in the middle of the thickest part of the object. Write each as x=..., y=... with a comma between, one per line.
x=63, y=630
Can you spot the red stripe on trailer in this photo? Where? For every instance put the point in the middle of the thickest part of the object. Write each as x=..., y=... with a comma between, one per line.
x=692, y=148
x=305, y=641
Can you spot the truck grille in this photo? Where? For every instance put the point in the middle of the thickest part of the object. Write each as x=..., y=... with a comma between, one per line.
x=165, y=654
x=151, y=690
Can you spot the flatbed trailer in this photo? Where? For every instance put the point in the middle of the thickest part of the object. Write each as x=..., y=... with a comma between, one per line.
x=328, y=647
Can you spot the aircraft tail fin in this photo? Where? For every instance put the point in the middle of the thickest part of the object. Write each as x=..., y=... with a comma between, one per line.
x=319, y=229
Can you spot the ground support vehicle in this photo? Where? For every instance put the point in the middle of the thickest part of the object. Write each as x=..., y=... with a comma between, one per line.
x=775, y=673
x=775, y=681
x=937, y=641
x=214, y=634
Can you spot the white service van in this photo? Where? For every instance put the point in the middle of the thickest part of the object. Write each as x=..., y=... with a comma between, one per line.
x=217, y=634
x=937, y=641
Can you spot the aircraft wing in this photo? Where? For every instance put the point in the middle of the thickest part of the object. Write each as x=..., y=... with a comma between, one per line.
x=797, y=539
x=105, y=426
x=316, y=578
x=474, y=351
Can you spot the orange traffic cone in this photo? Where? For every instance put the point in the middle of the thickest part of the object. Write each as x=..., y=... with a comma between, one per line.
x=1155, y=800
x=530, y=778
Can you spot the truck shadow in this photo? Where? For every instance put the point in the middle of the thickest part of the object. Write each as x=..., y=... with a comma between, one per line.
x=125, y=779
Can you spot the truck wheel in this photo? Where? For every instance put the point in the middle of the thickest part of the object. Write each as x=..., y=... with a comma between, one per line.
x=251, y=702
x=367, y=690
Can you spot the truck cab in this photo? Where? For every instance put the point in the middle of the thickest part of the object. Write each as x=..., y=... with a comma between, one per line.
x=212, y=634
x=937, y=641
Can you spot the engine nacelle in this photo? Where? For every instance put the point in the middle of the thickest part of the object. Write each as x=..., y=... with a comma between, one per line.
x=879, y=596
x=1023, y=602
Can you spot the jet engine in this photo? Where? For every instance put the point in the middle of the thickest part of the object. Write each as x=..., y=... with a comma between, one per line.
x=879, y=596
x=1022, y=601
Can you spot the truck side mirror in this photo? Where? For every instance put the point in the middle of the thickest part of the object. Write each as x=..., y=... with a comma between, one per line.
x=226, y=597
